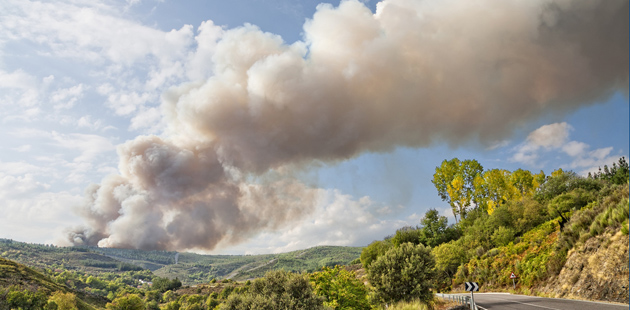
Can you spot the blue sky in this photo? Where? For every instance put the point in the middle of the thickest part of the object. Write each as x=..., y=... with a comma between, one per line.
x=79, y=78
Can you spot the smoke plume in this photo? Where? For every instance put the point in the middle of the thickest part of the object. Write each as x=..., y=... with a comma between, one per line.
x=410, y=74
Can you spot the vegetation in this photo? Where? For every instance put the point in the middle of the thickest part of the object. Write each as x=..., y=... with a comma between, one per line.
x=277, y=290
x=508, y=221
x=403, y=273
x=340, y=288
x=511, y=221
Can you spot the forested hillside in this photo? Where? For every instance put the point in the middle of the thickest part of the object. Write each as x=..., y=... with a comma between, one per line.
x=526, y=223
x=191, y=268
x=24, y=288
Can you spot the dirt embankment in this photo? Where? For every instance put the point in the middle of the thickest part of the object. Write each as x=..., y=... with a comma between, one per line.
x=596, y=270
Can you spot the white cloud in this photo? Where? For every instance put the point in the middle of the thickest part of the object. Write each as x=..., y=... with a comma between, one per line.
x=546, y=137
x=30, y=212
x=89, y=146
x=22, y=148
x=66, y=98
x=126, y=103
x=19, y=168
x=575, y=148
x=150, y=119
x=555, y=137
x=87, y=122
x=338, y=219
x=92, y=32
x=550, y=136
x=17, y=79
x=12, y=187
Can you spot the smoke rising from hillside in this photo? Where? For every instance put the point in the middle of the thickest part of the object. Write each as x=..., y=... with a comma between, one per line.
x=413, y=73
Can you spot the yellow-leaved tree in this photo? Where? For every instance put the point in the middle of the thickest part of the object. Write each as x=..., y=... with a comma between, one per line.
x=454, y=181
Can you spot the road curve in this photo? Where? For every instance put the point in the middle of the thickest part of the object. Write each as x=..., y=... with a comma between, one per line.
x=497, y=301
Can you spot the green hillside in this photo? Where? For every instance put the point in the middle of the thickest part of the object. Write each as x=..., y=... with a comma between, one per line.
x=196, y=268
x=544, y=229
x=62, y=258
x=191, y=268
x=21, y=286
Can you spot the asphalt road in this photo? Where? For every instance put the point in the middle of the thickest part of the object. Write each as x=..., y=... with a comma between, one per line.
x=487, y=301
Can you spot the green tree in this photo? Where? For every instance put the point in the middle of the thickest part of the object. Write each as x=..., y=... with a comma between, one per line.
x=562, y=205
x=23, y=299
x=164, y=284
x=407, y=234
x=128, y=302
x=341, y=288
x=63, y=301
x=278, y=290
x=454, y=181
x=375, y=249
x=434, y=229
x=448, y=256
x=404, y=273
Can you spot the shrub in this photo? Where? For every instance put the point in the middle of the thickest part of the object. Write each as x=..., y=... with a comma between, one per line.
x=403, y=274
x=278, y=290
x=503, y=235
x=128, y=302
x=340, y=288
x=64, y=301
x=375, y=249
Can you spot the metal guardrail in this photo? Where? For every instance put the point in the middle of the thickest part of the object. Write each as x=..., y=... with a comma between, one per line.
x=460, y=299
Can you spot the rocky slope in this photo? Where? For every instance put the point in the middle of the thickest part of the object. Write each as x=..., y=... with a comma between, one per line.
x=596, y=270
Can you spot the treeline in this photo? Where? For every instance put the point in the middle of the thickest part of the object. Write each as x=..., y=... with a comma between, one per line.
x=511, y=221
x=160, y=257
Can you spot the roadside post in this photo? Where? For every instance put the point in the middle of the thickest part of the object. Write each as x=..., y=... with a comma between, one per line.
x=472, y=287
x=513, y=276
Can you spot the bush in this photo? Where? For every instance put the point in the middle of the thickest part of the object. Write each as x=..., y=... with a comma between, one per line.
x=129, y=302
x=375, y=249
x=503, y=235
x=63, y=301
x=278, y=290
x=403, y=274
x=341, y=289
x=164, y=284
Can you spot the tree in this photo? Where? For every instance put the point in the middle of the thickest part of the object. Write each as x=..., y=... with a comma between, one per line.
x=407, y=234
x=63, y=301
x=523, y=181
x=128, y=302
x=164, y=284
x=435, y=230
x=493, y=188
x=562, y=182
x=562, y=205
x=278, y=290
x=404, y=273
x=375, y=249
x=454, y=181
x=341, y=288
x=448, y=256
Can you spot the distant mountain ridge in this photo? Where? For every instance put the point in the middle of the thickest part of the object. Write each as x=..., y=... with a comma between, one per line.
x=191, y=268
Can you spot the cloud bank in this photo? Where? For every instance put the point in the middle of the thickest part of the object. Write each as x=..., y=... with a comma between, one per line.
x=410, y=74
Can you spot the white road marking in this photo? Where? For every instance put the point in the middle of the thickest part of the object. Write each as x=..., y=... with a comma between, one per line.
x=524, y=303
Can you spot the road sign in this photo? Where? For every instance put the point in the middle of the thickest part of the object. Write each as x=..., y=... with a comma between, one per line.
x=472, y=287
x=512, y=276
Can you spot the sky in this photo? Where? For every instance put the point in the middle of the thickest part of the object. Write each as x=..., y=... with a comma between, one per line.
x=265, y=126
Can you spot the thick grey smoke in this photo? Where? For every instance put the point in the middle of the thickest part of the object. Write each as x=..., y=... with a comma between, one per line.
x=413, y=73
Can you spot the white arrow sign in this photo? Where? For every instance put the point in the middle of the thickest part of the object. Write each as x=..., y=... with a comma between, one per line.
x=472, y=287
